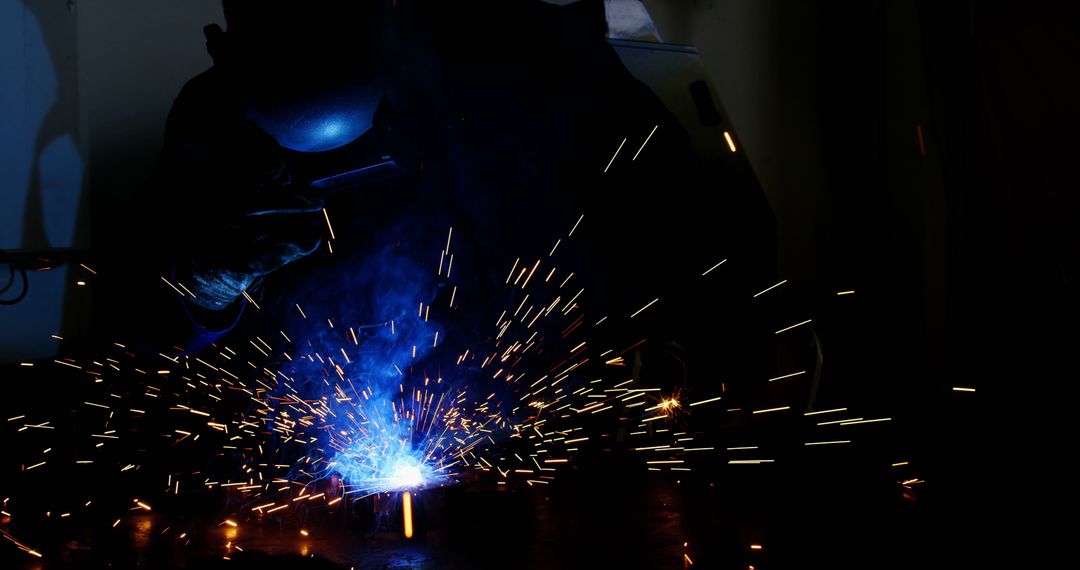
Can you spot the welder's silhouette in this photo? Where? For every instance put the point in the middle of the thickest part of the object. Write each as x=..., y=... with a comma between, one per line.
x=501, y=116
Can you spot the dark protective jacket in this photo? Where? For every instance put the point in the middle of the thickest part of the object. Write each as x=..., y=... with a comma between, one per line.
x=505, y=133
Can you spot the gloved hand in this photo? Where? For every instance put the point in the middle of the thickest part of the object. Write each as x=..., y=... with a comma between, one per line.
x=269, y=231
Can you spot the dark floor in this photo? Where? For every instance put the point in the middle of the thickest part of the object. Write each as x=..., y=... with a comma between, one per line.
x=825, y=517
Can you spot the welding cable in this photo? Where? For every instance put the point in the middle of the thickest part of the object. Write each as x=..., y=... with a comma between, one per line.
x=12, y=269
x=19, y=264
x=11, y=279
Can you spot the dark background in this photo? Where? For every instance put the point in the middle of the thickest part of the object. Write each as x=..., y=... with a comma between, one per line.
x=961, y=244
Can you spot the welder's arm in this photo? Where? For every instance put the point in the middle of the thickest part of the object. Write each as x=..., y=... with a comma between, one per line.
x=231, y=253
x=216, y=273
x=275, y=229
x=214, y=220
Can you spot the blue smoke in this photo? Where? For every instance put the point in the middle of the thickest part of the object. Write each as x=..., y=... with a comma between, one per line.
x=370, y=371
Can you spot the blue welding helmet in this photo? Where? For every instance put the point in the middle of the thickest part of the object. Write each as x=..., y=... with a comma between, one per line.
x=307, y=72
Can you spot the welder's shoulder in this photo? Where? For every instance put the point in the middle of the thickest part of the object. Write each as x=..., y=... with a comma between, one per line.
x=202, y=89
x=205, y=123
x=201, y=99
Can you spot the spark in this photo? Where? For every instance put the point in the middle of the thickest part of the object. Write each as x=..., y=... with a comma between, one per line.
x=186, y=290
x=770, y=288
x=406, y=512
x=614, y=155
x=710, y=270
x=20, y=545
x=838, y=421
x=535, y=265
x=250, y=300
x=851, y=423
x=576, y=224
x=178, y=292
x=639, y=311
x=787, y=376
x=807, y=321
x=730, y=141
x=645, y=143
x=328, y=226
x=825, y=411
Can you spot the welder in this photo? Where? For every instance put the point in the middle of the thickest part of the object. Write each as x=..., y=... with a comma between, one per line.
x=499, y=118
x=330, y=132
x=222, y=209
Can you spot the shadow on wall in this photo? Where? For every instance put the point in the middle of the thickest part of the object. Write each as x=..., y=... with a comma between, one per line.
x=85, y=92
x=42, y=158
x=42, y=144
x=42, y=150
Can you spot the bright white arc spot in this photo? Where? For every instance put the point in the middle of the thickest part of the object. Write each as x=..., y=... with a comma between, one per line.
x=407, y=476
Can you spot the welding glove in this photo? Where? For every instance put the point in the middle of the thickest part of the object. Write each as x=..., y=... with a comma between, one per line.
x=241, y=247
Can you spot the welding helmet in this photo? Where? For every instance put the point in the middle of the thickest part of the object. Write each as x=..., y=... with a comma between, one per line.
x=307, y=72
